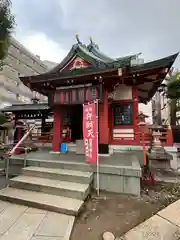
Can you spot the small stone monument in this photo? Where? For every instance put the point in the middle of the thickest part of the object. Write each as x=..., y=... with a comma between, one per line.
x=108, y=236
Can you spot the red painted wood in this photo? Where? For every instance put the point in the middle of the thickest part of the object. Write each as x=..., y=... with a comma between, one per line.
x=19, y=136
x=169, y=137
x=77, y=62
x=134, y=102
x=135, y=113
x=103, y=120
x=57, y=131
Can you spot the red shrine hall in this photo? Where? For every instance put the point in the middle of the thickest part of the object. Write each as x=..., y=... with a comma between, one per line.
x=87, y=74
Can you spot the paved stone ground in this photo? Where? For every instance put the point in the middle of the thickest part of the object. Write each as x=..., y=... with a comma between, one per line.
x=24, y=223
x=164, y=225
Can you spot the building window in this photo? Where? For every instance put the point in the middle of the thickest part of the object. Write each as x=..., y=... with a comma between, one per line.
x=122, y=114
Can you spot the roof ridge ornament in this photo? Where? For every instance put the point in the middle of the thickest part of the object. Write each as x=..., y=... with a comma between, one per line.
x=92, y=43
x=77, y=39
x=90, y=38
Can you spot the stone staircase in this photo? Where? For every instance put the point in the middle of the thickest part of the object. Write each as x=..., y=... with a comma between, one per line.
x=55, y=189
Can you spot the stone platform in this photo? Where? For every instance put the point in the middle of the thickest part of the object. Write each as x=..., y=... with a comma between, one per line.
x=119, y=172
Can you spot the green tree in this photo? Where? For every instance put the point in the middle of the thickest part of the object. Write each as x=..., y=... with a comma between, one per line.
x=3, y=118
x=7, y=23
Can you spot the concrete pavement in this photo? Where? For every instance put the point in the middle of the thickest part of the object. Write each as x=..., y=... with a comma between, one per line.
x=165, y=225
x=19, y=222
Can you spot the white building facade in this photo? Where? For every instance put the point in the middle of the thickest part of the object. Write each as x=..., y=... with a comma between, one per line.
x=19, y=62
x=161, y=106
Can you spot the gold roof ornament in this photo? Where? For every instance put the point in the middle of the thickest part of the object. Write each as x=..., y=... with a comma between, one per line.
x=77, y=38
x=90, y=38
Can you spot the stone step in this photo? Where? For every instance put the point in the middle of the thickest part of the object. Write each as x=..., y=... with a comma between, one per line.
x=40, y=200
x=59, y=174
x=79, y=147
x=55, y=187
x=71, y=147
x=70, y=165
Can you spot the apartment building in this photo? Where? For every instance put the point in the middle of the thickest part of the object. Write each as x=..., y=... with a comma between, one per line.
x=161, y=107
x=50, y=64
x=19, y=62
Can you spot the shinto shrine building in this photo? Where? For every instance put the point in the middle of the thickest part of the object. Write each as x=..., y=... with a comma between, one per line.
x=86, y=74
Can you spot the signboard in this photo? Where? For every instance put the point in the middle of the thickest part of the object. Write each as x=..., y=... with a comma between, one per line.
x=78, y=95
x=90, y=132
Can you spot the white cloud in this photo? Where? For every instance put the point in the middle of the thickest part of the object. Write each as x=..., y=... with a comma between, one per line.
x=41, y=45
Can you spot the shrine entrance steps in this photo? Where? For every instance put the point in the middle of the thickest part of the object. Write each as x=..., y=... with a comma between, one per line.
x=54, y=189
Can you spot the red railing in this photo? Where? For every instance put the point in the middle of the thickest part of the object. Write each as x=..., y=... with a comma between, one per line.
x=12, y=151
x=136, y=137
x=143, y=137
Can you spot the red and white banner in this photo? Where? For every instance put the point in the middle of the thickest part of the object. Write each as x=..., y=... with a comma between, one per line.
x=90, y=132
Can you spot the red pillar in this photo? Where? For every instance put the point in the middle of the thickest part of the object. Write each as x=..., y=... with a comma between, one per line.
x=169, y=136
x=57, y=131
x=103, y=120
x=135, y=113
x=19, y=136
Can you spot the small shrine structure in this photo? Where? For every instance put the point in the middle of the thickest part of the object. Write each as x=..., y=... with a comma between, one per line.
x=86, y=74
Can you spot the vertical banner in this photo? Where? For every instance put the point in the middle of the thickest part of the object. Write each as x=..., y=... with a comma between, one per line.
x=90, y=132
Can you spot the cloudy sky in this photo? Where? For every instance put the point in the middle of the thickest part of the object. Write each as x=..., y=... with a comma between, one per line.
x=120, y=27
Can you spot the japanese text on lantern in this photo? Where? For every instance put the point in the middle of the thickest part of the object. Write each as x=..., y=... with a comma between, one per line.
x=89, y=128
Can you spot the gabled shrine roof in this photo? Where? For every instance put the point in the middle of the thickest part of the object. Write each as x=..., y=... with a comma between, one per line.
x=92, y=54
x=147, y=77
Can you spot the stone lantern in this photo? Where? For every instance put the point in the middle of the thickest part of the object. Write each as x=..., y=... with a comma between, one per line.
x=158, y=155
x=142, y=119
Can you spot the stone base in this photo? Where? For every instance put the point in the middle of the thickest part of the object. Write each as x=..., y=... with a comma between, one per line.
x=137, y=150
x=165, y=165
x=119, y=173
x=118, y=183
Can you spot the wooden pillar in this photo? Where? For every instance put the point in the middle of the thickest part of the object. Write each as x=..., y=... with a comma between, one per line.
x=104, y=125
x=43, y=122
x=57, y=131
x=19, y=134
x=135, y=114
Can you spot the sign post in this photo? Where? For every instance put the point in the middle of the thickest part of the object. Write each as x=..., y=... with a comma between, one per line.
x=90, y=135
x=97, y=135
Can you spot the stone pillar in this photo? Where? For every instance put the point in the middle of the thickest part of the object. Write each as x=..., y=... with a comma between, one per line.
x=103, y=125
x=57, y=131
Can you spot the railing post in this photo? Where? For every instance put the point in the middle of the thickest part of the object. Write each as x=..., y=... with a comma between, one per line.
x=7, y=166
x=10, y=153
x=143, y=145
